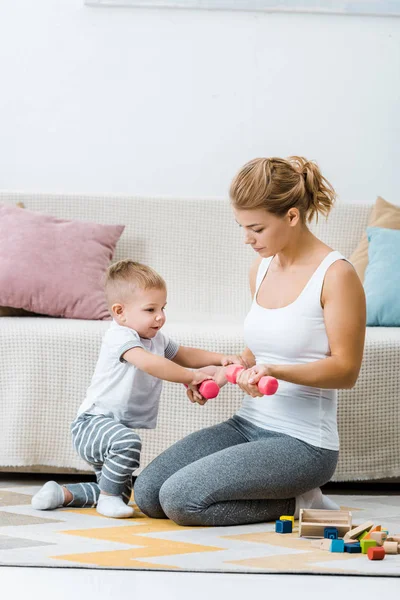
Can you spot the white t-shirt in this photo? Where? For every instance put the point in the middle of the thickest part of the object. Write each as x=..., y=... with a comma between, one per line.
x=118, y=389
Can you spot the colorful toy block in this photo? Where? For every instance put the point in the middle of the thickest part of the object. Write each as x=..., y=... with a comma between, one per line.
x=376, y=553
x=353, y=548
x=323, y=544
x=378, y=536
x=287, y=518
x=366, y=544
x=373, y=530
x=337, y=546
x=283, y=526
x=331, y=533
x=357, y=531
x=391, y=547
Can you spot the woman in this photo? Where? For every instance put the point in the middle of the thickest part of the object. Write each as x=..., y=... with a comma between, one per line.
x=306, y=327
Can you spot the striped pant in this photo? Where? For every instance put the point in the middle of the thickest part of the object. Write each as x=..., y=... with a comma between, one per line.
x=113, y=450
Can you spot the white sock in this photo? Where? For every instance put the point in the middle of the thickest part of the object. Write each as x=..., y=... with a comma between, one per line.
x=50, y=496
x=114, y=506
x=314, y=499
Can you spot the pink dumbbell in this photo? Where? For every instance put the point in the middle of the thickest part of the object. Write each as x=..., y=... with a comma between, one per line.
x=208, y=389
x=267, y=385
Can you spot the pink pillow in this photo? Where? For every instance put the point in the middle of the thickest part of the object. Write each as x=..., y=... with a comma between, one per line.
x=54, y=266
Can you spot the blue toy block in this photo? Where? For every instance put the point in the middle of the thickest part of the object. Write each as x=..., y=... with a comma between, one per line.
x=337, y=546
x=353, y=548
x=331, y=533
x=283, y=526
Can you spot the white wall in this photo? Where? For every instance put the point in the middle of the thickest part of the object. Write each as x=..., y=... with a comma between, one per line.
x=170, y=102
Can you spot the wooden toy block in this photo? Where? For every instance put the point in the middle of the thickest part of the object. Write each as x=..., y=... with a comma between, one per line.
x=287, y=518
x=312, y=522
x=394, y=538
x=391, y=547
x=324, y=544
x=354, y=533
x=283, y=526
x=378, y=536
x=366, y=544
x=373, y=530
x=352, y=548
x=331, y=533
x=363, y=536
x=337, y=546
x=377, y=553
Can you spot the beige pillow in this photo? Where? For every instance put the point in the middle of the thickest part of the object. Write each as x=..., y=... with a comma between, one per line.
x=384, y=215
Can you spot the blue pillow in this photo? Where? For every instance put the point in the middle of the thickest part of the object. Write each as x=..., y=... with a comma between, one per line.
x=382, y=277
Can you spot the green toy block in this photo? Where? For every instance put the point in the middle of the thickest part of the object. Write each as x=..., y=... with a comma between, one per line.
x=365, y=544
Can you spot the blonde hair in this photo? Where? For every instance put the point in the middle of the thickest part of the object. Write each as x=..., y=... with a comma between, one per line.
x=125, y=276
x=278, y=184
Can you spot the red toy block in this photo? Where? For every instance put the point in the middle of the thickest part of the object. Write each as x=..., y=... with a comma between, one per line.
x=376, y=553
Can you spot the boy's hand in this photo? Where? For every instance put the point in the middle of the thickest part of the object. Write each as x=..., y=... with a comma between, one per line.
x=199, y=376
x=234, y=359
x=217, y=373
x=193, y=390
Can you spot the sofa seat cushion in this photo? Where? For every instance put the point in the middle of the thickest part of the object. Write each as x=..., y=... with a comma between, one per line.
x=369, y=414
x=47, y=365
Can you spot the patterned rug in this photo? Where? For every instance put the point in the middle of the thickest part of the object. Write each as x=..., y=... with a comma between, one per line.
x=83, y=538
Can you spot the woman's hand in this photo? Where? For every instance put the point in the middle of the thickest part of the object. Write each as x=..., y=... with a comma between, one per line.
x=248, y=380
x=234, y=359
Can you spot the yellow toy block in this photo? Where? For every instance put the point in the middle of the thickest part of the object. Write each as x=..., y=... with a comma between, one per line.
x=287, y=518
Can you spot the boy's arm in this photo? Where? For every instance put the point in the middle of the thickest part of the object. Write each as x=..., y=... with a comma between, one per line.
x=195, y=358
x=160, y=367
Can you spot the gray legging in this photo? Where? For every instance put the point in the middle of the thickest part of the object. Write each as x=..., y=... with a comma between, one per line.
x=231, y=474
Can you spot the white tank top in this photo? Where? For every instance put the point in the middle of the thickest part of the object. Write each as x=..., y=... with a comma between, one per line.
x=293, y=334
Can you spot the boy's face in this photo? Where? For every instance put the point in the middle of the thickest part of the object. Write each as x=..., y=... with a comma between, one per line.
x=144, y=312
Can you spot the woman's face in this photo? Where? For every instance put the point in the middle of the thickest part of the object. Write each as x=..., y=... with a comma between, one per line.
x=265, y=232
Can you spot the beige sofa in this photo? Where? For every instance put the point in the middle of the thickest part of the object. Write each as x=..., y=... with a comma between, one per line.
x=46, y=364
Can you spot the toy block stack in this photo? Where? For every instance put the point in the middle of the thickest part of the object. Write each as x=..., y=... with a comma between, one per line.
x=284, y=524
x=333, y=532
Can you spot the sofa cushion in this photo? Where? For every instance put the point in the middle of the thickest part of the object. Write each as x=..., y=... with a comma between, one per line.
x=384, y=215
x=44, y=381
x=7, y=311
x=382, y=277
x=54, y=266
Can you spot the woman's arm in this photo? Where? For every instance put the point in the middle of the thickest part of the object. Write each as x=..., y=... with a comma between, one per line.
x=343, y=301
